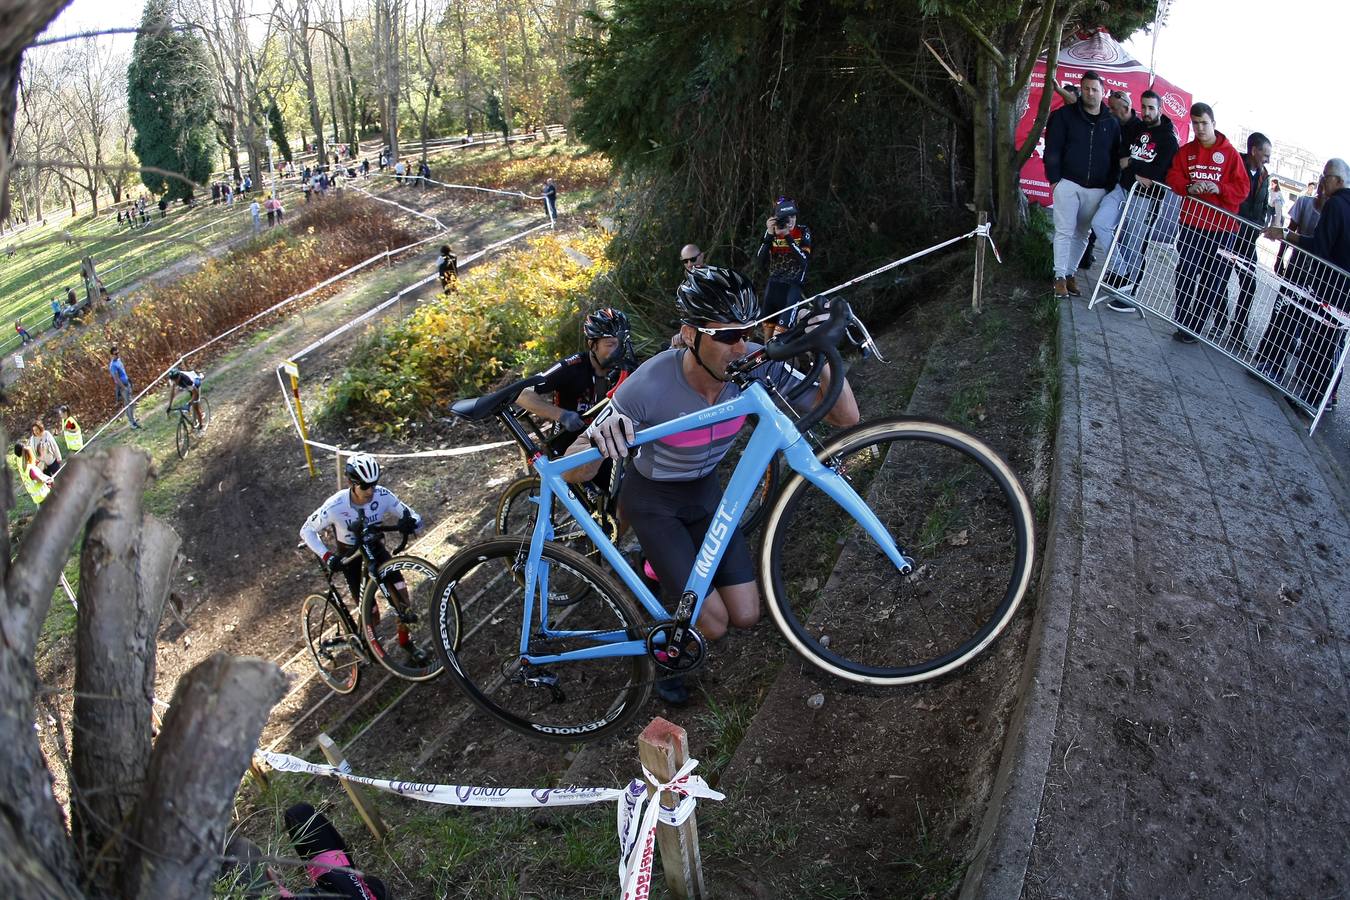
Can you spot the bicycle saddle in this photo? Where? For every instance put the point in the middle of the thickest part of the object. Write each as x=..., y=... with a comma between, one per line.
x=475, y=408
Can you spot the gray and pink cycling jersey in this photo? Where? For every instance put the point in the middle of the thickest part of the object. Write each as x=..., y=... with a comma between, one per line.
x=658, y=392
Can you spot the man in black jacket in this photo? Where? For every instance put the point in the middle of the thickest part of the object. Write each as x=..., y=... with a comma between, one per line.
x=1257, y=210
x=1082, y=150
x=1148, y=144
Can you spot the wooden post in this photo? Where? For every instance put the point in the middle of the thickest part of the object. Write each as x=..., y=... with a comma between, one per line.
x=365, y=807
x=978, y=286
x=293, y=371
x=663, y=747
x=338, y=458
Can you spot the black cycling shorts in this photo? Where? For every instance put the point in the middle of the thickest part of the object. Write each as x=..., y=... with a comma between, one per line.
x=778, y=296
x=670, y=519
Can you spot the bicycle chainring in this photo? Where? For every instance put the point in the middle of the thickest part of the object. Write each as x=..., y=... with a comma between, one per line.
x=685, y=656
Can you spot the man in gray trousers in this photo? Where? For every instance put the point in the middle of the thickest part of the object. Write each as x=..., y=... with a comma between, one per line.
x=1082, y=149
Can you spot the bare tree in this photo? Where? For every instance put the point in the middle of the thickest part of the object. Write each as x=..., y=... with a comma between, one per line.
x=92, y=98
x=388, y=27
x=431, y=58
x=144, y=822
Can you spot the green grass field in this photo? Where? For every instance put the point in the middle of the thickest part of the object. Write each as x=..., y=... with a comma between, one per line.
x=46, y=259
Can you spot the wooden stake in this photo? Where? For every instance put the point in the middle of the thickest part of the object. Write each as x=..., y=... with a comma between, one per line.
x=663, y=747
x=365, y=807
x=978, y=287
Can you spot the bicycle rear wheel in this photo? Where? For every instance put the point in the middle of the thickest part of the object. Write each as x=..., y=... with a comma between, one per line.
x=402, y=639
x=331, y=643
x=184, y=436
x=951, y=503
x=568, y=702
x=517, y=511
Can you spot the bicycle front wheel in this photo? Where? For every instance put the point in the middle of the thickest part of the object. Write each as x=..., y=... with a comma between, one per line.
x=575, y=701
x=331, y=643
x=205, y=406
x=394, y=618
x=184, y=436
x=951, y=504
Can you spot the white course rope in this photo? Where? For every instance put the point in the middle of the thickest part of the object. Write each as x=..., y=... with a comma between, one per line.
x=638, y=810
x=286, y=392
x=980, y=231
x=465, y=187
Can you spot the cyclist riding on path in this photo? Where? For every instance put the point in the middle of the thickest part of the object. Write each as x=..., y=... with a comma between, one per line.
x=583, y=379
x=786, y=248
x=363, y=499
x=191, y=382
x=672, y=490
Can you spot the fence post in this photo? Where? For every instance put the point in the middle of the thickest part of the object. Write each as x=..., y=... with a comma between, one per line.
x=663, y=747
x=365, y=807
x=338, y=458
x=978, y=287
x=293, y=371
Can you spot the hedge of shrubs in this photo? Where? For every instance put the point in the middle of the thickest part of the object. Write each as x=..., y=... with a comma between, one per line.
x=520, y=312
x=163, y=321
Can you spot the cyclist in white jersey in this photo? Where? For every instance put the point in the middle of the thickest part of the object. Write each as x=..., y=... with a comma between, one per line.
x=365, y=499
x=671, y=490
x=191, y=382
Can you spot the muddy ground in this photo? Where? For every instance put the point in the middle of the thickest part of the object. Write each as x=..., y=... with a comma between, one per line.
x=240, y=502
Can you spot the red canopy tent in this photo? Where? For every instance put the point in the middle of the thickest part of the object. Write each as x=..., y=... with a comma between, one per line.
x=1121, y=72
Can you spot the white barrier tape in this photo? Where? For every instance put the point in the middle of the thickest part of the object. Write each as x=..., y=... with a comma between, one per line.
x=467, y=187
x=251, y=319
x=407, y=209
x=420, y=454
x=636, y=828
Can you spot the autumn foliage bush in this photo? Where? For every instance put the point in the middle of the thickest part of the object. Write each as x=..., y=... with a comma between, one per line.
x=164, y=321
x=521, y=311
x=527, y=174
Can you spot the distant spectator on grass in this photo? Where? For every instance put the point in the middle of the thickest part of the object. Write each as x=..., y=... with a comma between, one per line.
x=57, y=317
x=1276, y=203
x=45, y=451
x=400, y=168
x=70, y=430
x=255, y=211
x=1208, y=172
x=279, y=209
x=24, y=336
x=270, y=209
x=424, y=174
x=122, y=384
x=365, y=167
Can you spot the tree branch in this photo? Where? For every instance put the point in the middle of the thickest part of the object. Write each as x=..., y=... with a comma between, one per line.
x=47, y=42
x=904, y=82
x=125, y=567
x=980, y=38
x=1043, y=111
x=46, y=547
x=209, y=735
x=956, y=76
x=1027, y=64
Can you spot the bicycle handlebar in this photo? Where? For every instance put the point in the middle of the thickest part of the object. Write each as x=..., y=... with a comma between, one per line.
x=823, y=340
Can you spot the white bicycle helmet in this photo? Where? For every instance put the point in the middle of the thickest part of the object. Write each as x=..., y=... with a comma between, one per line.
x=364, y=469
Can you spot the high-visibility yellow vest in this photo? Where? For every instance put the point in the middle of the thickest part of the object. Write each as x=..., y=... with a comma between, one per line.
x=74, y=438
x=36, y=487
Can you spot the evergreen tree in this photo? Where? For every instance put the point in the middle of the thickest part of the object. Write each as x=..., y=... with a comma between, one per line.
x=492, y=112
x=169, y=99
x=277, y=130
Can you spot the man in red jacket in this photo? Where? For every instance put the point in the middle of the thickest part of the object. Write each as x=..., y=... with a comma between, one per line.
x=1209, y=174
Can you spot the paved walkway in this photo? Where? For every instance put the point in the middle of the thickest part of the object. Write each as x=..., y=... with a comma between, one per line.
x=1184, y=732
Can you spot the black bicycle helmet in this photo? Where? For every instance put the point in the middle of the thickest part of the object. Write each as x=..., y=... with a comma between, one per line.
x=607, y=322
x=715, y=294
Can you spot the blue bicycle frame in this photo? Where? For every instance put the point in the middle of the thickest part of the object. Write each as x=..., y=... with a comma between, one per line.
x=774, y=432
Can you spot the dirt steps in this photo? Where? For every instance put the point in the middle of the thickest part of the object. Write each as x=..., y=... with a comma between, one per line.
x=891, y=769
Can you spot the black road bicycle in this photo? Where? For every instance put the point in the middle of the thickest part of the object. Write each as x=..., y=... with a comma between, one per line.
x=187, y=423
x=391, y=631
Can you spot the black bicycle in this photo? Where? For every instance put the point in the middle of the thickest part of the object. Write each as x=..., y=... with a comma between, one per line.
x=187, y=423
x=395, y=636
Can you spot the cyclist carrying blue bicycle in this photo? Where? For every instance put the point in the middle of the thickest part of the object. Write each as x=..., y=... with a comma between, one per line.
x=191, y=382
x=672, y=489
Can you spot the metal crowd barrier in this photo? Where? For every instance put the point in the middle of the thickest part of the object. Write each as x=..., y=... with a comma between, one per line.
x=1270, y=306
